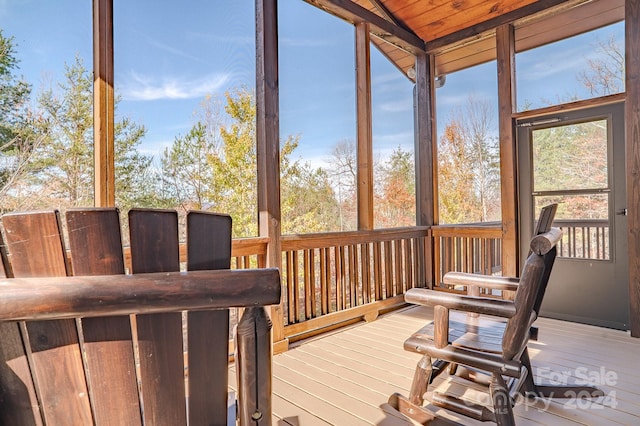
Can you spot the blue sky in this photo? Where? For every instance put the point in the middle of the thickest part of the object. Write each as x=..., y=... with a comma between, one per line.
x=169, y=56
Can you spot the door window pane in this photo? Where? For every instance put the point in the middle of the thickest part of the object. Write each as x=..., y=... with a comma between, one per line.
x=584, y=221
x=570, y=157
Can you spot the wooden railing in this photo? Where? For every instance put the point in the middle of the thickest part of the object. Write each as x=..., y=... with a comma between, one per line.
x=332, y=278
x=473, y=248
x=584, y=239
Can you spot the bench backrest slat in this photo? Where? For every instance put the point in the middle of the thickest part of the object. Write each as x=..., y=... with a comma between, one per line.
x=208, y=247
x=36, y=247
x=154, y=248
x=96, y=246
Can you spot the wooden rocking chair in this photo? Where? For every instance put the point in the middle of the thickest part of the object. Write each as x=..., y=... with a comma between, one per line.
x=480, y=346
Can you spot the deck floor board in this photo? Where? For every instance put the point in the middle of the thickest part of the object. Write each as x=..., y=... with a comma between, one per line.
x=346, y=377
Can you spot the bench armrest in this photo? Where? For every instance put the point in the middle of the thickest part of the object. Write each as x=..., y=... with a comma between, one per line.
x=91, y=296
x=484, y=281
x=479, y=305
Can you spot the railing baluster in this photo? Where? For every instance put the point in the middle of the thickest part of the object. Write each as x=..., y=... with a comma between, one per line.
x=324, y=305
x=308, y=292
x=377, y=270
x=365, y=264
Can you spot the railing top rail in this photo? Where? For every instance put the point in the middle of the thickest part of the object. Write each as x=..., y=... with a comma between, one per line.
x=580, y=222
x=332, y=239
x=474, y=231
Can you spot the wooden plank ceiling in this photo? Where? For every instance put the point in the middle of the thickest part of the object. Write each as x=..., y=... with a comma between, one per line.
x=461, y=32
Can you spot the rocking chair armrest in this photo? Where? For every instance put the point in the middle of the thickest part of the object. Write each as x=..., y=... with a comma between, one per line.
x=484, y=281
x=479, y=305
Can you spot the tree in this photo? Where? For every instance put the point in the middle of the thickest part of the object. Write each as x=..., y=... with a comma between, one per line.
x=17, y=121
x=66, y=159
x=63, y=166
x=605, y=74
x=187, y=174
x=213, y=167
x=308, y=201
x=395, y=202
x=343, y=174
x=14, y=94
x=469, y=168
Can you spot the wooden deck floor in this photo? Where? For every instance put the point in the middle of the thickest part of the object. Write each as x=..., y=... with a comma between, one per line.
x=346, y=377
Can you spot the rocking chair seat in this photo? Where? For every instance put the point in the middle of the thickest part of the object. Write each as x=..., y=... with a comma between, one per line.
x=483, y=333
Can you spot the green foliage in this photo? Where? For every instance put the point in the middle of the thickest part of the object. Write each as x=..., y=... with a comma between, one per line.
x=65, y=160
x=187, y=176
x=13, y=96
x=57, y=166
x=214, y=167
x=234, y=188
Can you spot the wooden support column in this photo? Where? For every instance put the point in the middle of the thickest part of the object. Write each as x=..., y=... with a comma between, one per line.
x=632, y=124
x=364, y=138
x=505, y=53
x=425, y=159
x=268, y=147
x=103, y=103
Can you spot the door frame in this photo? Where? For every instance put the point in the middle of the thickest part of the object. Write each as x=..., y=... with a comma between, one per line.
x=616, y=196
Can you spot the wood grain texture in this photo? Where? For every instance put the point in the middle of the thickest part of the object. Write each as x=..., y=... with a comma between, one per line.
x=268, y=143
x=103, y=103
x=91, y=296
x=253, y=339
x=632, y=124
x=364, y=132
x=208, y=247
x=505, y=48
x=18, y=402
x=96, y=246
x=35, y=244
x=154, y=248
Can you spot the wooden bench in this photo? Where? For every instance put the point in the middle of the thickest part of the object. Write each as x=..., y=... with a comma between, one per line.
x=84, y=343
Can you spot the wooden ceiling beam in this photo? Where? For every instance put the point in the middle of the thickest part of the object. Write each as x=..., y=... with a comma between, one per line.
x=490, y=24
x=380, y=27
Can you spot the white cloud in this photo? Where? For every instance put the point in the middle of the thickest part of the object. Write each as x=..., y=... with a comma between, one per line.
x=302, y=42
x=397, y=106
x=145, y=88
x=391, y=141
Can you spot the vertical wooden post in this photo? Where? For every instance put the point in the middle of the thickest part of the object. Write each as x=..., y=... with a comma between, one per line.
x=268, y=146
x=103, y=103
x=632, y=124
x=364, y=137
x=505, y=52
x=425, y=161
x=254, y=367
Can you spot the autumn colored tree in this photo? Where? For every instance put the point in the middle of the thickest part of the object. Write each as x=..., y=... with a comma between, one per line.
x=468, y=165
x=395, y=200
